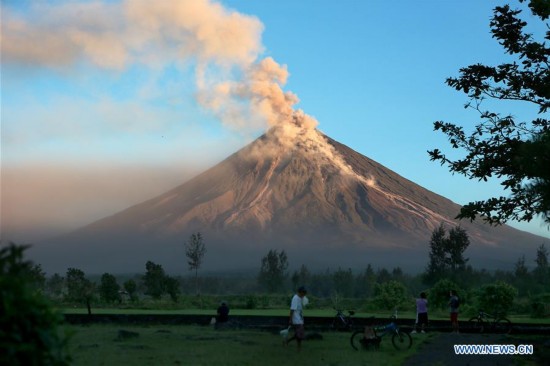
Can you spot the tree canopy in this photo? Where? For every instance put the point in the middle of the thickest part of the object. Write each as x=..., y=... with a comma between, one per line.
x=502, y=146
x=79, y=288
x=273, y=271
x=154, y=280
x=109, y=288
x=195, y=249
x=446, y=258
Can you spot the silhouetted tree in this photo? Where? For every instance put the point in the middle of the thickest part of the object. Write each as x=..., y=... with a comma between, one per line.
x=321, y=284
x=365, y=281
x=172, y=287
x=109, y=288
x=397, y=274
x=437, y=264
x=500, y=146
x=30, y=329
x=79, y=288
x=154, y=280
x=520, y=269
x=195, y=249
x=273, y=270
x=37, y=276
x=521, y=276
x=130, y=287
x=457, y=243
x=383, y=275
x=343, y=282
x=541, y=271
x=54, y=285
x=301, y=277
x=446, y=258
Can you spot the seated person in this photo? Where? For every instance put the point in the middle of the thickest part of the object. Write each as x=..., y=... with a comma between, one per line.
x=223, y=313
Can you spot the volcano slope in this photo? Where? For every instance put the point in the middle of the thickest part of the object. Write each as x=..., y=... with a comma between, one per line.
x=323, y=203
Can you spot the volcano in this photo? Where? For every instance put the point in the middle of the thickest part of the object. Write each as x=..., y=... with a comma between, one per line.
x=323, y=203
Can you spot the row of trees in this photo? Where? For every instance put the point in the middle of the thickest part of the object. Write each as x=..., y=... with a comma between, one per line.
x=77, y=288
x=446, y=261
x=381, y=288
x=447, y=268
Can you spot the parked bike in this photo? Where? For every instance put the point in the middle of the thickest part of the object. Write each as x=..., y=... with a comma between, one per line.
x=343, y=322
x=372, y=336
x=486, y=322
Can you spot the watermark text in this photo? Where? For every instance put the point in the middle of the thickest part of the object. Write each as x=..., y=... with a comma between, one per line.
x=493, y=349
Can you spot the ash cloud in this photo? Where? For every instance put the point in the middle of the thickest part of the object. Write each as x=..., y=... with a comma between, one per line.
x=232, y=80
x=117, y=35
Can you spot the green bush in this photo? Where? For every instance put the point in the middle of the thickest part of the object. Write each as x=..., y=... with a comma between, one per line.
x=391, y=295
x=540, y=305
x=251, y=302
x=109, y=288
x=30, y=330
x=438, y=295
x=497, y=297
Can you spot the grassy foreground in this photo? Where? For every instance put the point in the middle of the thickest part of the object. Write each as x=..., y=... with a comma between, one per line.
x=203, y=345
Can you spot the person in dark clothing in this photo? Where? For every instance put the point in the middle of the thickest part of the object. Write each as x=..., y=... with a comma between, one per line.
x=223, y=313
x=454, y=303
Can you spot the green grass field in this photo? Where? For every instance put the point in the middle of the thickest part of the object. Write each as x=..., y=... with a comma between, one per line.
x=194, y=345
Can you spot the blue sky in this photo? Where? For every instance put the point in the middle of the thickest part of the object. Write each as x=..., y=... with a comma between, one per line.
x=114, y=129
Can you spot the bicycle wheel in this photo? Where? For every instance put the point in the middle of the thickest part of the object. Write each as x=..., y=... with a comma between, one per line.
x=357, y=340
x=476, y=325
x=503, y=326
x=401, y=340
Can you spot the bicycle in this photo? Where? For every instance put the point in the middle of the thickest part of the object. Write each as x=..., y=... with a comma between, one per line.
x=342, y=321
x=497, y=323
x=370, y=336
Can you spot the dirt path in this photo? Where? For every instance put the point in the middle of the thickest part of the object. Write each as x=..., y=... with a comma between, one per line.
x=440, y=351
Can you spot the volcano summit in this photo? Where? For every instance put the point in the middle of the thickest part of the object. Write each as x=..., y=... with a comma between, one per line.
x=297, y=190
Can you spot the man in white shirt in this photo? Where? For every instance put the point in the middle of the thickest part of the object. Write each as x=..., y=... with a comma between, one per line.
x=296, y=318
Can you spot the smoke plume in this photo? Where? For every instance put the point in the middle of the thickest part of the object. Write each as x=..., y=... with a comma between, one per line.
x=233, y=81
x=118, y=35
x=223, y=45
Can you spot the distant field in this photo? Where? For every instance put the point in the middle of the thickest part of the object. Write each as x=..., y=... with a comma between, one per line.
x=194, y=345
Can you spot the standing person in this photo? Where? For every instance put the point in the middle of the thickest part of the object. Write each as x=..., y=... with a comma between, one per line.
x=421, y=312
x=296, y=317
x=454, y=303
x=223, y=313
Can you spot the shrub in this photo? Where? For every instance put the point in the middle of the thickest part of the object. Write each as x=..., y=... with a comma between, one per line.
x=540, y=305
x=109, y=288
x=390, y=295
x=251, y=302
x=497, y=297
x=438, y=295
x=29, y=327
x=130, y=287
